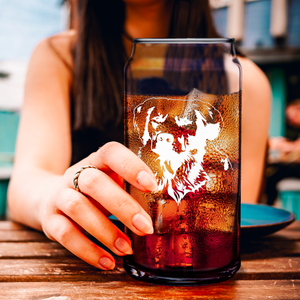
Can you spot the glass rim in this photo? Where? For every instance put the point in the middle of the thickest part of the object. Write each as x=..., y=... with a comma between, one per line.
x=183, y=40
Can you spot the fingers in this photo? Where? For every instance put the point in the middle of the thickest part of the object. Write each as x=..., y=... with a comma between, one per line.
x=112, y=197
x=116, y=157
x=84, y=213
x=61, y=229
x=125, y=163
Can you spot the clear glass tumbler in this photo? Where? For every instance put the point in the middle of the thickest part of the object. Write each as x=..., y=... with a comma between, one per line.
x=183, y=119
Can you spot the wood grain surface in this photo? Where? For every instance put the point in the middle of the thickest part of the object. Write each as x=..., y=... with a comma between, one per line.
x=33, y=267
x=241, y=290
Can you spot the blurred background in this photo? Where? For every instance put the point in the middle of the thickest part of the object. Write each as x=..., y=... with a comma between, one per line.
x=267, y=31
x=22, y=25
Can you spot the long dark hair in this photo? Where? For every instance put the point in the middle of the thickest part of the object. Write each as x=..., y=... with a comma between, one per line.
x=99, y=55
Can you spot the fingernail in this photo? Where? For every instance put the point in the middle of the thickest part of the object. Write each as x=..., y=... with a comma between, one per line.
x=123, y=246
x=147, y=181
x=142, y=223
x=106, y=263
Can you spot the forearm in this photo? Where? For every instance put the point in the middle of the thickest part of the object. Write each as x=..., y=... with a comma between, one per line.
x=27, y=194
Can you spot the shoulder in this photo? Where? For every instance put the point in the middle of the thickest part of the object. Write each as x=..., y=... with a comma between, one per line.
x=56, y=49
x=256, y=98
x=52, y=56
x=254, y=79
x=256, y=92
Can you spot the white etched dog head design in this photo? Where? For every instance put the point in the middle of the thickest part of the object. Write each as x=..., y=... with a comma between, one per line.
x=175, y=132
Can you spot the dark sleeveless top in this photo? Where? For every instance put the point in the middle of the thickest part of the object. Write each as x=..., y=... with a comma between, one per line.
x=86, y=141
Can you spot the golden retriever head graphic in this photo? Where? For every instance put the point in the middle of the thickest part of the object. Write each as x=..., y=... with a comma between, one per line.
x=173, y=134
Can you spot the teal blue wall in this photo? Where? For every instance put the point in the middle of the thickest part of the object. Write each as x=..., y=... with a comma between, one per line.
x=9, y=122
x=277, y=81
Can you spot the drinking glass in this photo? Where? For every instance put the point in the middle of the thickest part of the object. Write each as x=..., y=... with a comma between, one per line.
x=183, y=119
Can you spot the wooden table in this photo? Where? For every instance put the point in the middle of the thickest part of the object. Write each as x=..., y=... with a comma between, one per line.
x=33, y=267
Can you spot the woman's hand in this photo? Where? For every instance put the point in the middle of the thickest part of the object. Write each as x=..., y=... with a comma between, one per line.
x=66, y=212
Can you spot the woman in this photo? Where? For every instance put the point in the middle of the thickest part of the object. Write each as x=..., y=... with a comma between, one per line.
x=57, y=130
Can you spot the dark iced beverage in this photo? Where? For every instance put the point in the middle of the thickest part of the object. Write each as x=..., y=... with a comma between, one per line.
x=182, y=118
x=195, y=212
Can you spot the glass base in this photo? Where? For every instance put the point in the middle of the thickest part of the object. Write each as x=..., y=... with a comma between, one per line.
x=179, y=277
